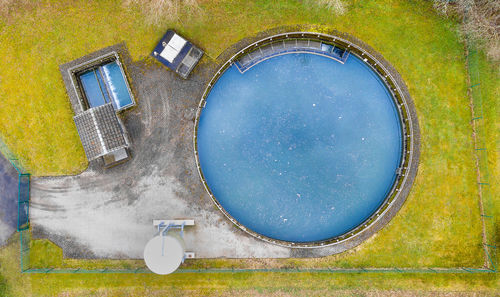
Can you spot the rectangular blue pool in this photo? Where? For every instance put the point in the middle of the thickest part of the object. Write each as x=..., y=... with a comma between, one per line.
x=105, y=84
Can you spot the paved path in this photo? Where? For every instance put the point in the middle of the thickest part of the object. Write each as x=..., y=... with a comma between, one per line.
x=8, y=199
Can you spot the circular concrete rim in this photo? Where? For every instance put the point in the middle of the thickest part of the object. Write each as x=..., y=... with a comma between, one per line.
x=410, y=131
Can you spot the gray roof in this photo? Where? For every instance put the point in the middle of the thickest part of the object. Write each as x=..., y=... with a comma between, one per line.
x=100, y=131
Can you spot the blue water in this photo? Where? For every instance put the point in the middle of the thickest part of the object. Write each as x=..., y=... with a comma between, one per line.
x=300, y=147
x=106, y=84
x=93, y=90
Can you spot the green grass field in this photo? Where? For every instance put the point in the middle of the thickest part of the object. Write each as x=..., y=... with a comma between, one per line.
x=439, y=225
x=231, y=284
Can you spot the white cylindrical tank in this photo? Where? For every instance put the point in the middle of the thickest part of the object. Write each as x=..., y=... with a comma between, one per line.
x=164, y=254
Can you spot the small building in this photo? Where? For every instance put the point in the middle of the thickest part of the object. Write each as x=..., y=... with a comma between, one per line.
x=177, y=53
x=102, y=134
x=99, y=89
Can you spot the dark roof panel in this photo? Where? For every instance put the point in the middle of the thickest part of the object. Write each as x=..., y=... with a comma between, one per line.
x=185, y=59
x=100, y=131
x=111, y=131
x=88, y=135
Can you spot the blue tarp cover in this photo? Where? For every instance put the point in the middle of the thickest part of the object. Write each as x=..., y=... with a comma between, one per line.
x=159, y=48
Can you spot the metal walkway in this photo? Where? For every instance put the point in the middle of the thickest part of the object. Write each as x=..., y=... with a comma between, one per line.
x=289, y=46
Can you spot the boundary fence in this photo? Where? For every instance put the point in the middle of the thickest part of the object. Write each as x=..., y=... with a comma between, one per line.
x=478, y=123
x=487, y=210
x=479, y=135
x=465, y=270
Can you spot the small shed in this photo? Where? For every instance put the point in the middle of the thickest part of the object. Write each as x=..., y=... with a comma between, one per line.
x=177, y=53
x=102, y=134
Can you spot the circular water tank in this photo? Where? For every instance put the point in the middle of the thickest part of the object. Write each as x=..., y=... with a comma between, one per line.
x=164, y=254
